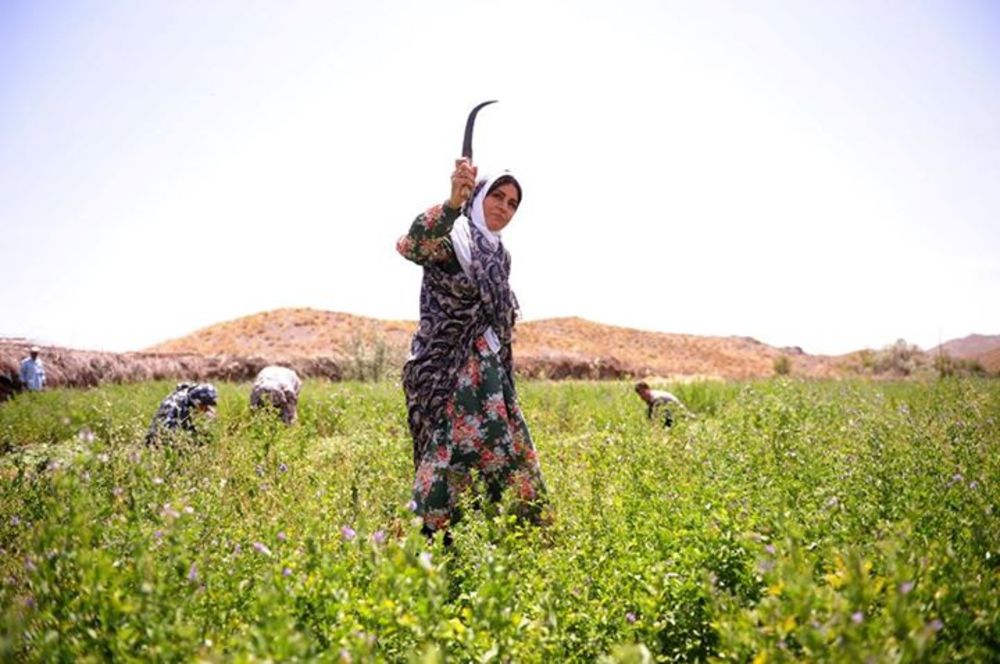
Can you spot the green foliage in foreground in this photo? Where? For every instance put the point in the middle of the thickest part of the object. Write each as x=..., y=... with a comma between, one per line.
x=784, y=521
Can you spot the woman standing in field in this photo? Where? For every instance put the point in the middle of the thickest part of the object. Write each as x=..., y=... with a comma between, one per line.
x=459, y=380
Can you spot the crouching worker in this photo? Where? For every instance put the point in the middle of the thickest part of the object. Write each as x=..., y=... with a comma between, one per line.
x=278, y=387
x=659, y=400
x=177, y=412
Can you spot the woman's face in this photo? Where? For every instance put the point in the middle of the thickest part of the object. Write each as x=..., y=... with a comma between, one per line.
x=499, y=206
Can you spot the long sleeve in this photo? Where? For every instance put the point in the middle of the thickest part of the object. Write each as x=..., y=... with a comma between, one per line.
x=427, y=241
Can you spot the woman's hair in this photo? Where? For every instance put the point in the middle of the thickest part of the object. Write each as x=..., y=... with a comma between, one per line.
x=507, y=179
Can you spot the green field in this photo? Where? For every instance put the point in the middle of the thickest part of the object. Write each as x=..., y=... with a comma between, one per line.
x=784, y=521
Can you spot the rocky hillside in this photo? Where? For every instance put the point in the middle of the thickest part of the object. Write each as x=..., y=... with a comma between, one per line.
x=554, y=348
x=972, y=347
x=337, y=345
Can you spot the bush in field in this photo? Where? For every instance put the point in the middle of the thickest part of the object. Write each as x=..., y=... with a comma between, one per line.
x=786, y=521
x=948, y=366
x=901, y=359
x=782, y=365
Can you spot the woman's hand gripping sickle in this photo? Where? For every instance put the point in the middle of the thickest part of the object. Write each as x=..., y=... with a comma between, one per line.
x=463, y=179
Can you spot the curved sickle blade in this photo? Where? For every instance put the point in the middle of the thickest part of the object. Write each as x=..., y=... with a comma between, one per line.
x=470, y=124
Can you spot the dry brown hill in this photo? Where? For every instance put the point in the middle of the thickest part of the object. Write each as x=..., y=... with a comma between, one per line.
x=990, y=361
x=972, y=347
x=337, y=345
x=556, y=348
x=285, y=333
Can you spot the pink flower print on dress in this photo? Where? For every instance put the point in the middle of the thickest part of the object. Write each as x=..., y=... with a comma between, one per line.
x=493, y=460
x=524, y=486
x=495, y=408
x=431, y=216
x=424, y=479
x=405, y=245
x=442, y=457
x=467, y=432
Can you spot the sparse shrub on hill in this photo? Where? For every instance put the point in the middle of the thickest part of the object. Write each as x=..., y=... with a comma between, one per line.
x=900, y=358
x=782, y=365
x=371, y=358
x=948, y=366
x=905, y=360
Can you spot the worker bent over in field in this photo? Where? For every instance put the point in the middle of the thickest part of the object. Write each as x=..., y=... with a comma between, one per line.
x=278, y=387
x=659, y=400
x=178, y=410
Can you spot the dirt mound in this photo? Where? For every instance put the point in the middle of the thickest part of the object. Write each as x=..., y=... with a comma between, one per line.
x=972, y=347
x=290, y=333
x=66, y=367
x=553, y=348
x=337, y=345
x=990, y=361
x=641, y=353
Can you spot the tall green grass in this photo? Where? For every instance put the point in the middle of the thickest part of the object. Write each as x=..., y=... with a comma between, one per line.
x=779, y=521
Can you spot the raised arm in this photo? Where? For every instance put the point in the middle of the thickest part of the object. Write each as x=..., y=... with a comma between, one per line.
x=428, y=241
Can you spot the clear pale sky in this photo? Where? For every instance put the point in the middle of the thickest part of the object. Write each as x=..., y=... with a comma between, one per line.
x=820, y=174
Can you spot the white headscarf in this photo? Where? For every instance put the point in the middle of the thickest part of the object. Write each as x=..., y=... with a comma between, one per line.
x=461, y=237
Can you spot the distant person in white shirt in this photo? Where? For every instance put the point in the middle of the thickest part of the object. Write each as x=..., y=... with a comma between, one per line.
x=658, y=399
x=278, y=387
x=33, y=371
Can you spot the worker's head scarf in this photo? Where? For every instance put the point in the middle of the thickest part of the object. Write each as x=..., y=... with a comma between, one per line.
x=460, y=235
x=485, y=260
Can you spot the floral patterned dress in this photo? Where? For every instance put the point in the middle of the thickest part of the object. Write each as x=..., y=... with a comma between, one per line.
x=462, y=407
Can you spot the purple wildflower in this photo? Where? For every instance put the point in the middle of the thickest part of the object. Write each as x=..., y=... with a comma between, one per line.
x=630, y=617
x=15, y=520
x=935, y=625
x=282, y=468
x=259, y=469
x=281, y=536
x=237, y=549
x=286, y=572
x=412, y=506
x=905, y=587
x=348, y=533
x=158, y=534
x=260, y=547
x=29, y=565
x=857, y=617
x=193, y=573
x=770, y=549
x=378, y=536
x=117, y=492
